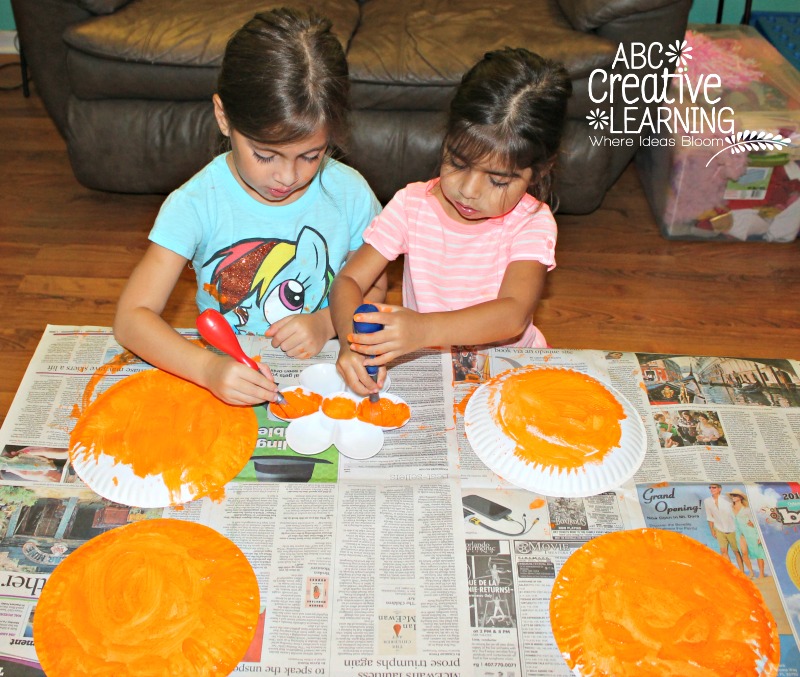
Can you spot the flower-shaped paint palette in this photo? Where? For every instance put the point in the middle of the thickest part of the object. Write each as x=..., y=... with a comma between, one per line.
x=322, y=412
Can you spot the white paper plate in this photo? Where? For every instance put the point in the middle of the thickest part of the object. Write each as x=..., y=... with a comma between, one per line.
x=496, y=450
x=117, y=482
x=111, y=436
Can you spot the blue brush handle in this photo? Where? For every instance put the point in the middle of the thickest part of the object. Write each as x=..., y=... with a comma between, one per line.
x=367, y=328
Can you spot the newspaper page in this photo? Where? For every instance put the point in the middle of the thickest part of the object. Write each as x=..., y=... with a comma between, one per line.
x=399, y=582
x=706, y=418
x=713, y=418
x=40, y=525
x=419, y=561
x=314, y=538
x=767, y=544
x=515, y=544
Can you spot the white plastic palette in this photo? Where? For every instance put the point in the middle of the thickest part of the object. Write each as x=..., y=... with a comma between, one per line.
x=496, y=450
x=313, y=434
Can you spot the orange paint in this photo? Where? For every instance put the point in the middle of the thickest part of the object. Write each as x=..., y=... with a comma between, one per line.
x=299, y=403
x=159, y=424
x=112, y=367
x=384, y=412
x=461, y=407
x=557, y=417
x=653, y=603
x=339, y=407
x=214, y=293
x=536, y=503
x=153, y=598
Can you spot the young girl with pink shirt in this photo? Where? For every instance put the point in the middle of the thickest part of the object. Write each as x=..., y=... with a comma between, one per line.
x=479, y=239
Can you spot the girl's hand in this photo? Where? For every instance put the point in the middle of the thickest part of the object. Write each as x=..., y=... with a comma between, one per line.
x=403, y=331
x=236, y=384
x=301, y=336
x=351, y=368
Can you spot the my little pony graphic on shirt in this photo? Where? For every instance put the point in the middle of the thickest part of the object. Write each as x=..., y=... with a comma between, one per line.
x=258, y=280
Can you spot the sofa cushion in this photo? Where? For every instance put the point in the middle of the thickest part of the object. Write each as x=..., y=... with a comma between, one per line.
x=183, y=39
x=410, y=55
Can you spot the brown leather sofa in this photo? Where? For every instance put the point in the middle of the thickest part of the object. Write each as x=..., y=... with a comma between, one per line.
x=129, y=82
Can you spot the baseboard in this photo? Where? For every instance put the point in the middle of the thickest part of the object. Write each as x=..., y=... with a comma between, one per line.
x=8, y=42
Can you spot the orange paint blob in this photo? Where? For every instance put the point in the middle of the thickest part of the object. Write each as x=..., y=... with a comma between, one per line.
x=654, y=603
x=461, y=407
x=536, y=503
x=153, y=598
x=112, y=367
x=339, y=407
x=557, y=417
x=159, y=424
x=298, y=403
x=384, y=412
x=214, y=293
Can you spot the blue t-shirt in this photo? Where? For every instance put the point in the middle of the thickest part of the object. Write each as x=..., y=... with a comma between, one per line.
x=257, y=263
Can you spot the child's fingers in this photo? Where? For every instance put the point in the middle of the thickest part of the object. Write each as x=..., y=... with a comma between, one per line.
x=264, y=369
x=379, y=317
x=365, y=339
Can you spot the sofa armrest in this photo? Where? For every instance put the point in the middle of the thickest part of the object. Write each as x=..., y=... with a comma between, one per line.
x=40, y=26
x=587, y=15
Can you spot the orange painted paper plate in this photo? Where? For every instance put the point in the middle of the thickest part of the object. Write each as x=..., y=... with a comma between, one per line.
x=554, y=431
x=154, y=440
x=153, y=598
x=654, y=603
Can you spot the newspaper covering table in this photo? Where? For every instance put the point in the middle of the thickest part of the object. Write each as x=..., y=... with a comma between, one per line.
x=418, y=562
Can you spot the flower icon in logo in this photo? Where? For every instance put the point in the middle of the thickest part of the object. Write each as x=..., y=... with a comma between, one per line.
x=679, y=53
x=598, y=119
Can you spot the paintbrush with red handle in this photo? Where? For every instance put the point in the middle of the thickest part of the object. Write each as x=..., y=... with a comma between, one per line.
x=214, y=328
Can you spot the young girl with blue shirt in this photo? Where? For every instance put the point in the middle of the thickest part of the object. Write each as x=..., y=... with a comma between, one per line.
x=265, y=226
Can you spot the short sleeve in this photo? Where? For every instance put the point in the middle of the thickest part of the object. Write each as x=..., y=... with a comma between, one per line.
x=179, y=225
x=534, y=237
x=388, y=232
x=366, y=207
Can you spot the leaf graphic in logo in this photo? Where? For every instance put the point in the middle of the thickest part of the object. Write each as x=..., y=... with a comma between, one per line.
x=598, y=119
x=679, y=53
x=747, y=141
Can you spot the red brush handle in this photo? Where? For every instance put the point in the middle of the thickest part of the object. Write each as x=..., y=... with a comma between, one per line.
x=215, y=329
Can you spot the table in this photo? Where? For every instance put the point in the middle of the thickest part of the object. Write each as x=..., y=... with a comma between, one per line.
x=418, y=561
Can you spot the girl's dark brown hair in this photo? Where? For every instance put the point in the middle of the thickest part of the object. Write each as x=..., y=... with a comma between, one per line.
x=283, y=76
x=511, y=106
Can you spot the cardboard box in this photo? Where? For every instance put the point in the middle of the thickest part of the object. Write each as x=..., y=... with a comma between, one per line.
x=735, y=173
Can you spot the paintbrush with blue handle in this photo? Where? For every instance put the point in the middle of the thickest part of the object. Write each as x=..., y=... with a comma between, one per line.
x=369, y=328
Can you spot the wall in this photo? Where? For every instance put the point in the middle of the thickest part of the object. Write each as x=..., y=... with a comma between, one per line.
x=705, y=11
x=6, y=17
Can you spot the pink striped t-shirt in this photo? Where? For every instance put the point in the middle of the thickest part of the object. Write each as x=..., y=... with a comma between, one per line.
x=449, y=265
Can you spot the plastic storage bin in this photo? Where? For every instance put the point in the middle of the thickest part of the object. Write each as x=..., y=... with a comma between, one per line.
x=714, y=184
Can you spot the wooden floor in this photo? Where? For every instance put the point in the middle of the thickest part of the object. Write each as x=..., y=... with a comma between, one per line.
x=67, y=250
